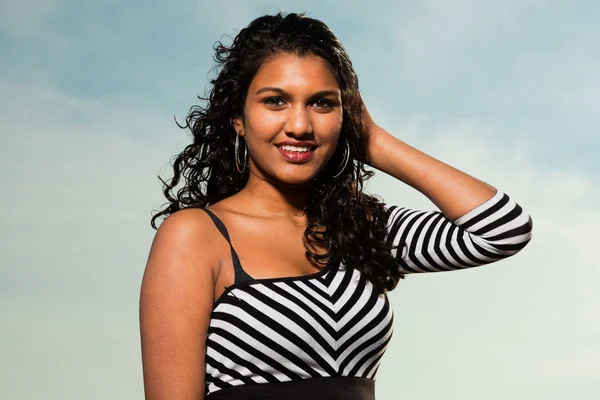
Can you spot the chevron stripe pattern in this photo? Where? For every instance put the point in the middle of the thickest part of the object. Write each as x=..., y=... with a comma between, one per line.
x=333, y=323
x=329, y=324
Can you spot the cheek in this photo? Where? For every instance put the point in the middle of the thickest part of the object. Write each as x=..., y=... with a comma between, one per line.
x=329, y=125
x=260, y=122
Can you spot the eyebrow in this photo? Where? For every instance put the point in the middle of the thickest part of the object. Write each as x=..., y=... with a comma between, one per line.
x=321, y=93
x=272, y=89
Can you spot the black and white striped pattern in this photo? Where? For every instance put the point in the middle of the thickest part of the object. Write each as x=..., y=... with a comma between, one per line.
x=334, y=323
x=430, y=242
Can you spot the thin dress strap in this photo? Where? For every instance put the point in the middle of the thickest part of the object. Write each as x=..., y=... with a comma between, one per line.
x=240, y=274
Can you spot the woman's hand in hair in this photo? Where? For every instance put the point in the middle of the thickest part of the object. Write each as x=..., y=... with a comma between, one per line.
x=371, y=130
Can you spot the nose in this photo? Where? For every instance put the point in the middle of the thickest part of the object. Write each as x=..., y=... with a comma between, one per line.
x=298, y=122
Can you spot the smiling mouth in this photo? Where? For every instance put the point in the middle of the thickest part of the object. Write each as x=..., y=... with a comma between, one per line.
x=296, y=149
x=296, y=154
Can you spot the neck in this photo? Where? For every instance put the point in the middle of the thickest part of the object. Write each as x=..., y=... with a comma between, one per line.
x=276, y=199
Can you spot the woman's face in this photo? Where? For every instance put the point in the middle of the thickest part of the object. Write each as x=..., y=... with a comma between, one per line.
x=292, y=118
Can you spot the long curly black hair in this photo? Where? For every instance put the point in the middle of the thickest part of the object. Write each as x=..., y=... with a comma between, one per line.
x=349, y=223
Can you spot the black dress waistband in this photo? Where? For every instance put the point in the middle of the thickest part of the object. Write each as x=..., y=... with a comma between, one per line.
x=330, y=388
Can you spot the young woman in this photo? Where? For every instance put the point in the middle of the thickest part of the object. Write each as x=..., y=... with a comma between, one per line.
x=268, y=279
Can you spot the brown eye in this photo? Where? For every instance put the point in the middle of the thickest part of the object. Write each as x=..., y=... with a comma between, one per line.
x=274, y=101
x=323, y=103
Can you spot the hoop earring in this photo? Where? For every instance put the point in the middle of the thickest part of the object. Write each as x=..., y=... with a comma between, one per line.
x=237, y=154
x=345, y=160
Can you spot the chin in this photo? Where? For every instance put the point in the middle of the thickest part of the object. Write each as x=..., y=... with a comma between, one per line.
x=296, y=178
x=297, y=181
x=289, y=176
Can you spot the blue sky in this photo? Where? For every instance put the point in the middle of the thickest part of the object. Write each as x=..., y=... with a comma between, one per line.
x=505, y=90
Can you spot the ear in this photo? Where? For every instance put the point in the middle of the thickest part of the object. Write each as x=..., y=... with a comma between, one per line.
x=238, y=125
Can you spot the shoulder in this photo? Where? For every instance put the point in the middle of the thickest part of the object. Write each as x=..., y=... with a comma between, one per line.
x=185, y=225
x=185, y=241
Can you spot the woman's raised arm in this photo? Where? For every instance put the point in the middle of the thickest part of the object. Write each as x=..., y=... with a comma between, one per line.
x=477, y=224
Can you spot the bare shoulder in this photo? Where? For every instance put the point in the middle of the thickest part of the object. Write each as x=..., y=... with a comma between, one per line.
x=182, y=256
x=188, y=235
x=188, y=224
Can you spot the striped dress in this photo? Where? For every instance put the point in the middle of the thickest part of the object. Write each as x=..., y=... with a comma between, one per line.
x=324, y=334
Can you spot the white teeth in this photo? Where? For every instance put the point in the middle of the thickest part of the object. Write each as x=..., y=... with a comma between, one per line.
x=294, y=148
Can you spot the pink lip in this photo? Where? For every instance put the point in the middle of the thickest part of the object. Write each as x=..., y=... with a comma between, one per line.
x=296, y=156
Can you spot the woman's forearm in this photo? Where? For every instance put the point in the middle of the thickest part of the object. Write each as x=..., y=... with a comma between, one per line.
x=454, y=192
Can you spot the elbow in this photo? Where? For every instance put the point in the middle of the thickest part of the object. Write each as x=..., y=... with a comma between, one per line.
x=524, y=232
x=528, y=226
x=512, y=240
